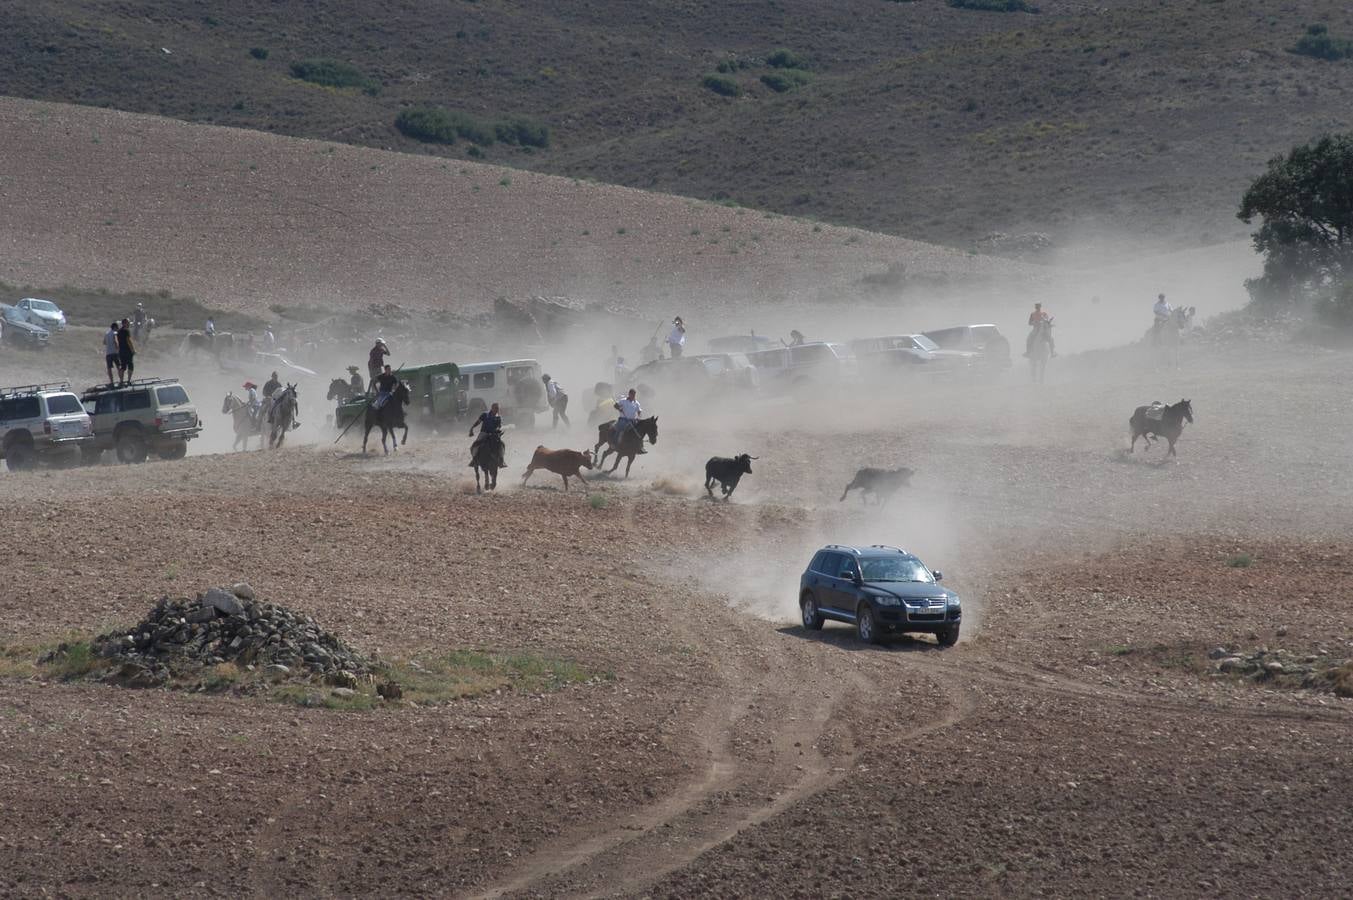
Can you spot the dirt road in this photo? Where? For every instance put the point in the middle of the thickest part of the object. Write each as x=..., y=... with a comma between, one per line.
x=1076, y=741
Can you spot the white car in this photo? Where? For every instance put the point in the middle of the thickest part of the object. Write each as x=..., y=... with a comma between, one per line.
x=43, y=313
x=514, y=384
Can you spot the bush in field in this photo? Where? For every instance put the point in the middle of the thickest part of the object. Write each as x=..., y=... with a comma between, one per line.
x=432, y=126
x=785, y=59
x=785, y=80
x=724, y=87
x=334, y=73
x=440, y=126
x=1318, y=43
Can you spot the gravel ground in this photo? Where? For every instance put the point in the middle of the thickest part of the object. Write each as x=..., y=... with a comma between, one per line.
x=1076, y=741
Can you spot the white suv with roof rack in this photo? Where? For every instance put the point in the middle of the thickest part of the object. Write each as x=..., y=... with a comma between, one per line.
x=42, y=421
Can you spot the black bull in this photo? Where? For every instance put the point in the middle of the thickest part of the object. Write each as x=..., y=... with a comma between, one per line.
x=728, y=472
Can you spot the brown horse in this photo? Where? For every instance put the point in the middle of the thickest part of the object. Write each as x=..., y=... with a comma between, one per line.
x=1170, y=425
x=630, y=442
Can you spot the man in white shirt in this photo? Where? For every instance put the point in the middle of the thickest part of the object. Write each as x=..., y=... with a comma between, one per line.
x=110, y=351
x=676, y=339
x=1162, y=311
x=557, y=399
x=630, y=412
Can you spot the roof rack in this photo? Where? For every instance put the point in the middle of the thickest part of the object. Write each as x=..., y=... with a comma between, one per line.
x=34, y=388
x=886, y=547
x=139, y=382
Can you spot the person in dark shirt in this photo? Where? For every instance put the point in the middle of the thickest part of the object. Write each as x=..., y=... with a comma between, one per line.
x=386, y=382
x=490, y=425
x=126, y=351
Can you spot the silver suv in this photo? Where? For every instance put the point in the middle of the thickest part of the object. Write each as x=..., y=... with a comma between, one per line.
x=41, y=421
x=134, y=419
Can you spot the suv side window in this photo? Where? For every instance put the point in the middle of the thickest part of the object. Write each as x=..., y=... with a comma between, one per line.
x=171, y=395
x=20, y=408
x=136, y=400
x=483, y=379
x=107, y=403
x=847, y=568
x=820, y=561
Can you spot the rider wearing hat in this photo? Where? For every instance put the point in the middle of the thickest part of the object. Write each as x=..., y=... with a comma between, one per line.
x=557, y=399
x=251, y=397
x=355, y=381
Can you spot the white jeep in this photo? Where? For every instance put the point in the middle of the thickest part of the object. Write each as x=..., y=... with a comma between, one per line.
x=515, y=385
x=42, y=421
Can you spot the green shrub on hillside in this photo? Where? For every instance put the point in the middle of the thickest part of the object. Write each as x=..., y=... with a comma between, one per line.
x=1318, y=43
x=258, y=52
x=724, y=87
x=732, y=65
x=440, y=126
x=785, y=80
x=994, y=5
x=786, y=59
x=333, y=73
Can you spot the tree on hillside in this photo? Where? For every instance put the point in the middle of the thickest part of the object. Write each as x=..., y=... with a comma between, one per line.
x=1305, y=205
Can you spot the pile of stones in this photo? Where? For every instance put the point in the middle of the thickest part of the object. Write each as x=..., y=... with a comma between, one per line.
x=181, y=637
x=1311, y=671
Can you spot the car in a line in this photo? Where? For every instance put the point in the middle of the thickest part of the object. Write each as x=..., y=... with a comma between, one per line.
x=149, y=415
x=985, y=340
x=913, y=353
x=43, y=313
x=42, y=422
x=742, y=343
x=811, y=363
x=15, y=329
x=879, y=589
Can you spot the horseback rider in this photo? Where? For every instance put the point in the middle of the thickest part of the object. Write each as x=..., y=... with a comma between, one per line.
x=251, y=400
x=355, y=382
x=1037, y=318
x=1161, y=311
x=376, y=359
x=386, y=382
x=210, y=331
x=676, y=338
x=630, y=413
x=270, y=388
x=492, y=427
x=557, y=399
x=138, y=320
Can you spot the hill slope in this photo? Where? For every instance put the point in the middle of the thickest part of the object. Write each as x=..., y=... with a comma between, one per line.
x=919, y=119
x=245, y=220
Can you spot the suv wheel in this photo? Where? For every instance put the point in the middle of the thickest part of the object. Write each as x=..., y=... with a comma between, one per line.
x=19, y=456
x=812, y=616
x=948, y=637
x=176, y=450
x=131, y=446
x=865, y=626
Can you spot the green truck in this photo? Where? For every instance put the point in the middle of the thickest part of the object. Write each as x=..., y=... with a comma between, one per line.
x=436, y=392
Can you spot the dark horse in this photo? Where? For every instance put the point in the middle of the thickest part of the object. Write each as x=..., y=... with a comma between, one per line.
x=1170, y=425
x=282, y=415
x=341, y=390
x=630, y=442
x=485, y=456
x=388, y=418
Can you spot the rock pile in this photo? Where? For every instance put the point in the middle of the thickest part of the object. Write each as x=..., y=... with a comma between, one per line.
x=227, y=625
x=1318, y=671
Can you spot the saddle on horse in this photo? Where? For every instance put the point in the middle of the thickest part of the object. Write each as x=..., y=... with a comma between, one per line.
x=1155, y=412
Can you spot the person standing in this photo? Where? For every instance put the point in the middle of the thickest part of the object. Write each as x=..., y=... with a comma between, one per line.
x=126, y=351
x=558, y=401
x=375, y=360
x=676, y=338
x=111, y=357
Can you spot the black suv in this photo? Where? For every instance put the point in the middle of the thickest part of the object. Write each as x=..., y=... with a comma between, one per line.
x=881, y=590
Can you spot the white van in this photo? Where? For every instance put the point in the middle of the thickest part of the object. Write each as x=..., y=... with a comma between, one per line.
x=513, y=384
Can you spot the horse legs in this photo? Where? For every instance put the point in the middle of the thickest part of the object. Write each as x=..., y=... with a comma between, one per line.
x=1171, y=440
x=365, y=434
x=628, y=463
x=406, y=435
x=477, y=489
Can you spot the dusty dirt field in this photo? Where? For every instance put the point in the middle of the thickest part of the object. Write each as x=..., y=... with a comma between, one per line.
x=1076, y=741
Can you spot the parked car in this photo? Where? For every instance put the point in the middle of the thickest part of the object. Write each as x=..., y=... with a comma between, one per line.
x=741, y=343
x=695, y=376
x=986, y=340
x=149, y=415
x=41, y=422
x=816, y=362
x=731, y=368
x=910, y=351
x=513, y=384
x=880, y=590
x=43, y=313
x=15, y=329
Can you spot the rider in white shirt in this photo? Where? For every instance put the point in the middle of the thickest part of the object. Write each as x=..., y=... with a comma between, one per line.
x=676, y=339
x=630, y=412
x=1162, y=309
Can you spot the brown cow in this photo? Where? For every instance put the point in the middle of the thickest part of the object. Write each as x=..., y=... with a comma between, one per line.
x=561, y=462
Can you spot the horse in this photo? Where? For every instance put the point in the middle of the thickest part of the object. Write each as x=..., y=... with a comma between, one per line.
x=246, y=425
x=1165, y=334
x=282, y=415
x=340, y=389
x=388, y=418
x=485, y=456
x=1170, y=425
x=1039, y=350
x=630, y=442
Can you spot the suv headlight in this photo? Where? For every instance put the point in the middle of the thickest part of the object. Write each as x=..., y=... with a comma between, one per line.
x=953, y=602
x=885, y=600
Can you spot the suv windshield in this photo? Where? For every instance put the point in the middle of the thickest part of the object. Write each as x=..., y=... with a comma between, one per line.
x=42, y=305
x=61, y=404
x=895, y=568
x=924, y=342
x=173, y=395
